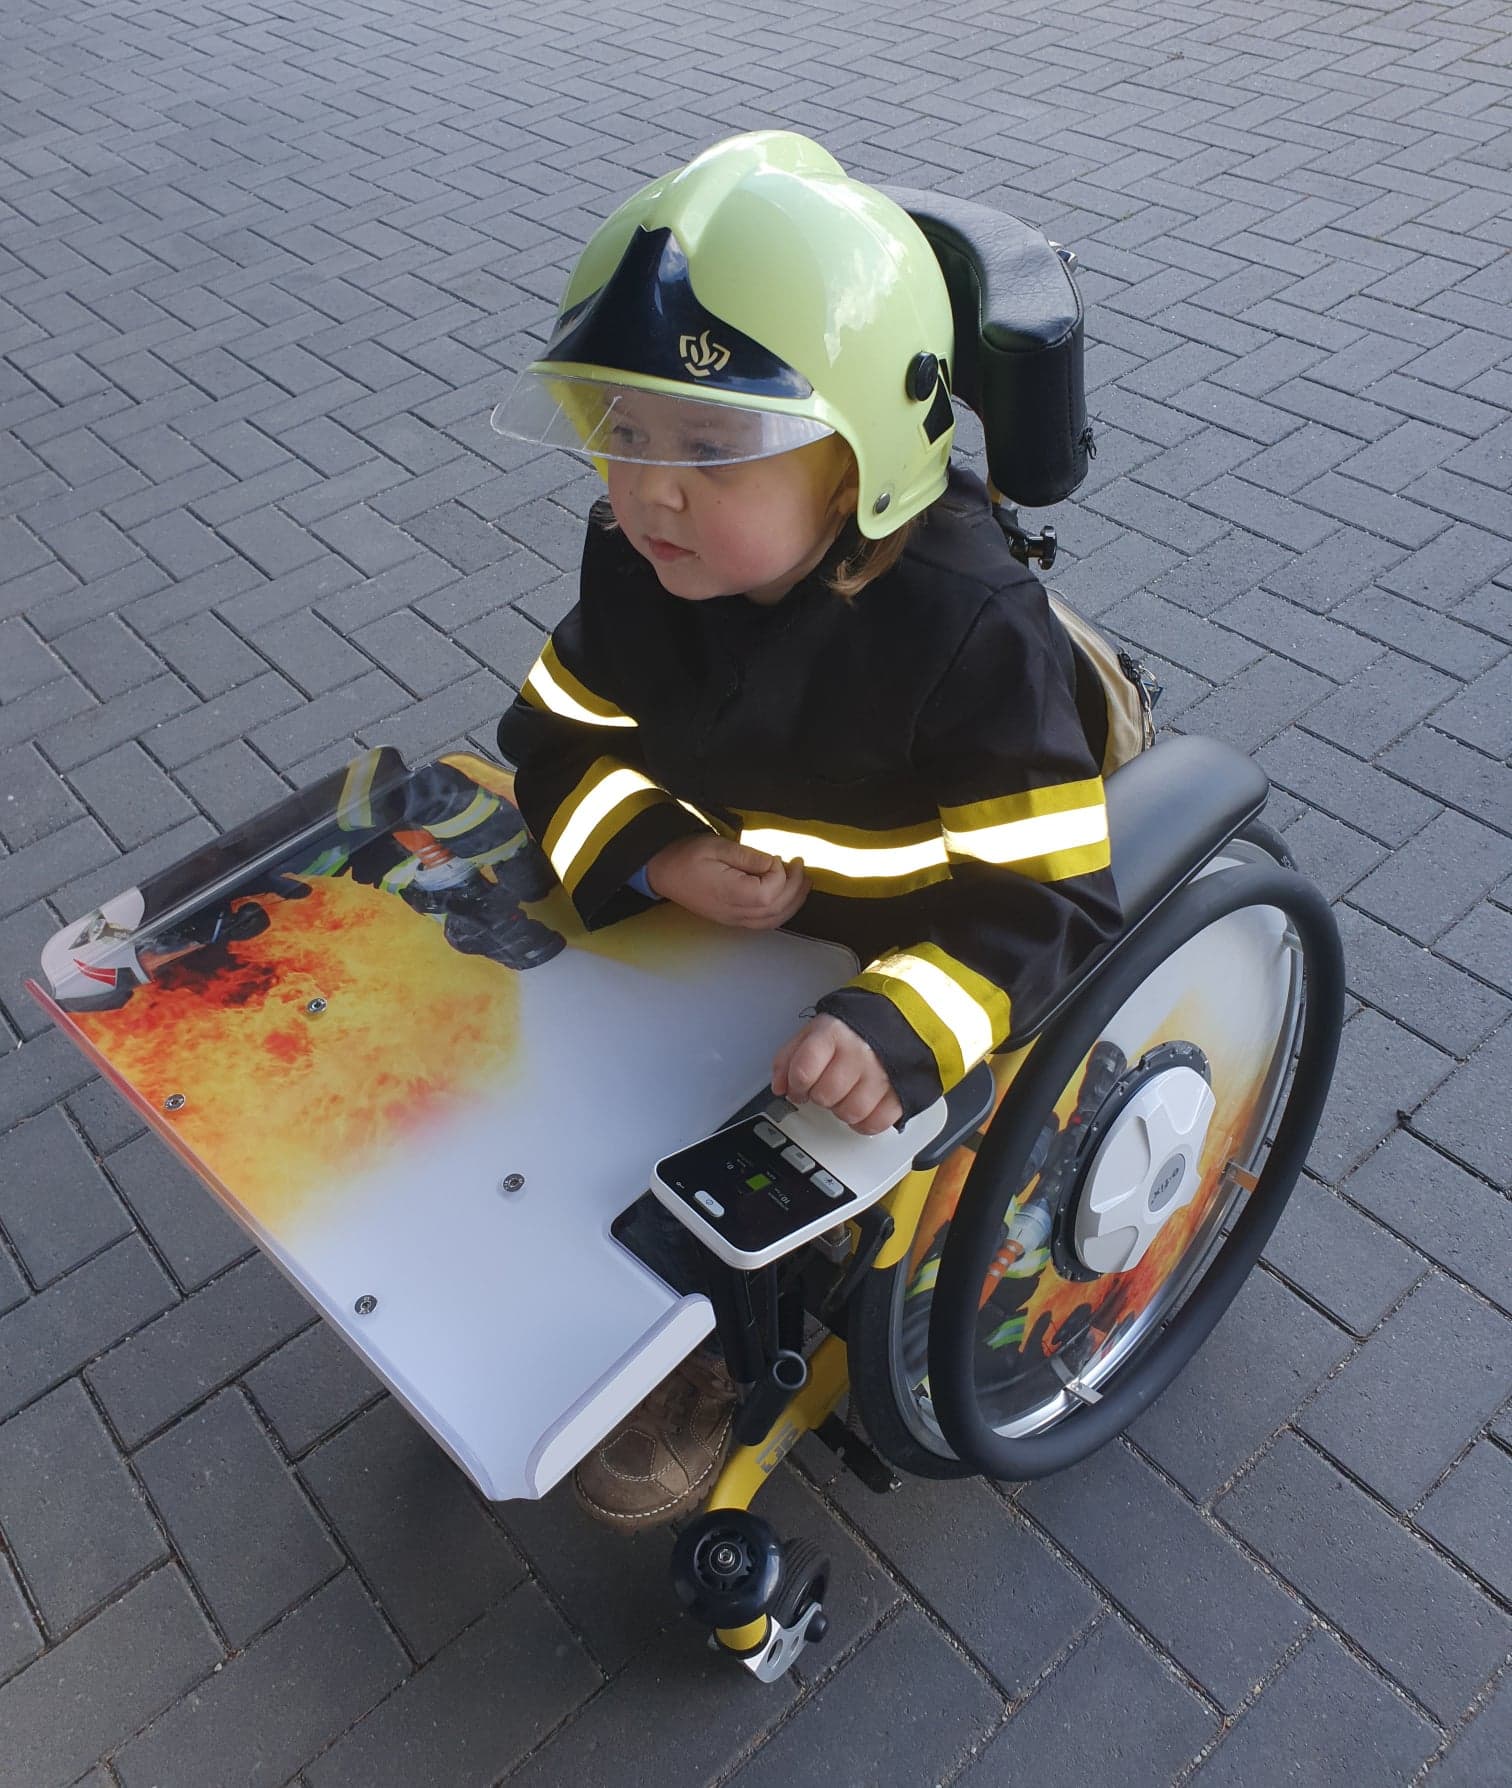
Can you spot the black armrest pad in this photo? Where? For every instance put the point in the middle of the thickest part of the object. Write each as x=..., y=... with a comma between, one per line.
x=1169, y=810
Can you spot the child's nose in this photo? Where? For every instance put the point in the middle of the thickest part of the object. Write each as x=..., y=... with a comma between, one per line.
x=660, y=485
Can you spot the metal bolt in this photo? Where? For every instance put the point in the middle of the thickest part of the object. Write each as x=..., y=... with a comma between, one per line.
x=881, y=503
x=512, y=1182
x=366, y=1304
x=175, y=1102
x=315, y=1007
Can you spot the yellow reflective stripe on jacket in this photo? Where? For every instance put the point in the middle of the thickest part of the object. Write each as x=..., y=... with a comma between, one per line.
x=354, y=810
x=478, y=809
x=1046, y=834
x=551, y=685
x=400, y=876
x=849, y=859
x=958, y=1013
x=605, y=801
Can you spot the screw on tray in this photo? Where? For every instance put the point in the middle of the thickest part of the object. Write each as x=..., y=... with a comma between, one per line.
x=175, y=1102
x=366, y=1304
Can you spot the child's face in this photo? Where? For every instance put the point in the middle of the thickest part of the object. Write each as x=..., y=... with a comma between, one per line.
x=754, y=528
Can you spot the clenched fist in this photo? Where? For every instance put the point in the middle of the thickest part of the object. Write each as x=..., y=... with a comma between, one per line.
x=728, y=882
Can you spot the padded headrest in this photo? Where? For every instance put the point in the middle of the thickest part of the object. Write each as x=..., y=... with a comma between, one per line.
x=1018, y=327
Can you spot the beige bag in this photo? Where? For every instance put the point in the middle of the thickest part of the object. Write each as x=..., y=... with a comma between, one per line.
x=1128, y=688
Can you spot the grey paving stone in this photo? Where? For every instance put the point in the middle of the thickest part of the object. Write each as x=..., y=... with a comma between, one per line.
x=1418, y=988
x=1134, y=1722
x=1379, y=703
x=1468, y=1115
x=1479, y=1752
x=1461, y=650
x=1355, y=1269
x=1295, y=633
x=967, y=1553
x=1341, y=785
x=1470, y=1513
x=103, y=1115
x=238, y=1521
x=22, y=936
x=20, y=1637
x=1332, y=855
x=84, y=1697
x=1325, y=1720
x=1482, y=943
x=208, y=655
x=1460, y=560
x=55, y=1331
x=1455, y=774
x=313, y=656
x=905, y=1710
x=36, y=800
x=1445, y=1212
x=277, y=1704
x=13, y=1287
x=1347, y=561
x=1199, y=645
x=1422, y=1622
x=73, y=1517
x=1382, y=1070
x=309, y=1386
x=413, y=1525
x=189, y=1227
x=56, y=1206
x=53, y=862
x=450, y=1723
x=232, y=783
x=196, y=1348
x=1176, y=1578
x=130, y=796
x=364, y=702
x=1481, y=714
x=224, y=717
x=124, y=717
x=1267, y=1355
x=1256, y=704
x=622, y=1734
x=1445, y=1356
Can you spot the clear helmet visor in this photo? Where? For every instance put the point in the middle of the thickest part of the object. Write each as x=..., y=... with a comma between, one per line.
x=606, y=421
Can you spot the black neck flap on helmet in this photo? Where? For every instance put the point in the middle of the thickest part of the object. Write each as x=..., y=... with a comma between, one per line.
x=645, y=319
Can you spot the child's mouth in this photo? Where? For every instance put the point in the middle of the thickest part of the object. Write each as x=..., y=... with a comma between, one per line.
x=665, y=551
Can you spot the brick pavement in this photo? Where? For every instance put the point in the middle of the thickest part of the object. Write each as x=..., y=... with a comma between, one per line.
x=264, y=266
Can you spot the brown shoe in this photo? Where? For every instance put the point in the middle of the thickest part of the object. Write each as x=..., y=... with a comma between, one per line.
x=662, y=1458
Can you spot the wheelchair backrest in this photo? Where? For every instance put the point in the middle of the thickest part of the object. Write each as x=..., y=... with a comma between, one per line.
x=1018, y=330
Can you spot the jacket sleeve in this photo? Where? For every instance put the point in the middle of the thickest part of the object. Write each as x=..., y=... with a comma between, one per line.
x=580, y=779
x=1027, y=893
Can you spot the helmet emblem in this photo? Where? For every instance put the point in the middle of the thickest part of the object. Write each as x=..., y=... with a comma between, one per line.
x=700, y=356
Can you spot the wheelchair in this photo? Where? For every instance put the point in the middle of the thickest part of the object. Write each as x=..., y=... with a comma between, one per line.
x=1087, y=1206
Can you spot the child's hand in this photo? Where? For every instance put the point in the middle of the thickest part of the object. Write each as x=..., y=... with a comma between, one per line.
x=830, y=1065
x=728, y=882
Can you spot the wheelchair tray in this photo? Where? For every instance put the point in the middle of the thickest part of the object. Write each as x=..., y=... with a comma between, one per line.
x=432, y=1145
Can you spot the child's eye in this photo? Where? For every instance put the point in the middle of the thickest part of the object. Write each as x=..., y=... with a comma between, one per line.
x=706, y=452
x=625, y=434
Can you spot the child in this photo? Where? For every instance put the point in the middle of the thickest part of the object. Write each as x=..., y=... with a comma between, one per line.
x=806, y=683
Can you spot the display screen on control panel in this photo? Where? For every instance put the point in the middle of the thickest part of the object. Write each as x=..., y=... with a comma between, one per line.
x=754, y=1186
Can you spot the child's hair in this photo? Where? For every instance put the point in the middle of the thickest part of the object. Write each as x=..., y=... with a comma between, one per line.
x=871, y=559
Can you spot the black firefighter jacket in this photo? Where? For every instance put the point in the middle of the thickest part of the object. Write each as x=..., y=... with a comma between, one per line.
x=918, y=748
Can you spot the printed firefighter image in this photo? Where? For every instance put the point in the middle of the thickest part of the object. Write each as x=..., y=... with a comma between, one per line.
x=1012, y=1352
x=450, y=849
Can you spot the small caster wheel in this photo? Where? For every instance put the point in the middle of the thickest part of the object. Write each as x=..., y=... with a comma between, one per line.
x=726, y=1570
x=798, y=1604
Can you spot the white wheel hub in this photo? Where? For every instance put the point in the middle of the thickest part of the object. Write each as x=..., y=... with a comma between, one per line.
x=1144, y=1171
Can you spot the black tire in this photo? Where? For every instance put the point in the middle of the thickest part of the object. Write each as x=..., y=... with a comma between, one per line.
x=1138, y=1372
x=873, y=1317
